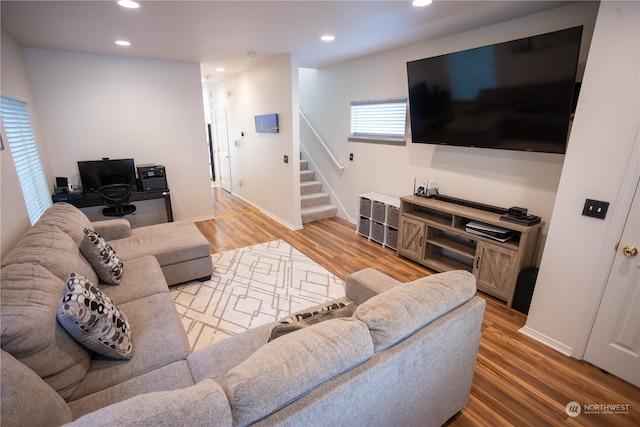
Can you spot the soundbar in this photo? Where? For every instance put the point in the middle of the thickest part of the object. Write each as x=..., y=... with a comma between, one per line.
x=470, y=204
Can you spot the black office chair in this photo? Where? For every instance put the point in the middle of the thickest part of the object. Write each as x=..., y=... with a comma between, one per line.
x=117, y=196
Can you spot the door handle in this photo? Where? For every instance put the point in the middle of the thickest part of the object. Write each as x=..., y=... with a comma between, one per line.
x=630, y=251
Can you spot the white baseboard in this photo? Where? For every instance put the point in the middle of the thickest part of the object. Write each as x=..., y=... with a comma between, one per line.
x=269, y=214
x=549, y=342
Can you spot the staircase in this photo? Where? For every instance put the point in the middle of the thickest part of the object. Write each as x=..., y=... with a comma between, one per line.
x=314, y=203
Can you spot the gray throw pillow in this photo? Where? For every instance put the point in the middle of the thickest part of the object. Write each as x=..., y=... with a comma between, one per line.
x=95, y=321
x=302, y=320
x=102, y=257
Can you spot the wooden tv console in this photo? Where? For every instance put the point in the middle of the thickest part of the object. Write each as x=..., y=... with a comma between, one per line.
x=432, y=233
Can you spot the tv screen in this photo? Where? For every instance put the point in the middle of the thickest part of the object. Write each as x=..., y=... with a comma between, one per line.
x=516, y=95
x=96, y=173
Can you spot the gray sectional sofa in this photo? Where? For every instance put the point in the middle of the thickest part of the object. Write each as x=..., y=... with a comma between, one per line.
x=392, y=354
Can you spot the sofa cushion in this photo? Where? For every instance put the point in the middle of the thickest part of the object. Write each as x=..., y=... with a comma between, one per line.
x=203, y=404
x=52, y=248
x=27, y=399
x=307, y=318
x=159, y=339
x=400, y=311
x=258, y=386
x=171, y=243
x=169, y=377
x=106, y=263
x=67, y=218
x=30, y=331
x=93, y=319
x=144, y=278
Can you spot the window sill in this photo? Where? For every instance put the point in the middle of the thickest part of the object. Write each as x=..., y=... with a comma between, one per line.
x=379, y=139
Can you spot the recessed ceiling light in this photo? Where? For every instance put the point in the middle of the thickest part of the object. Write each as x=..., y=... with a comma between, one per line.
x=420, y=3
x=327, y=38
x=123, y=43
x=129, y=4
x=220, y=70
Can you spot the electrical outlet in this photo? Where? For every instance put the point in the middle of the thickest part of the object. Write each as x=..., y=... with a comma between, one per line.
x=351, y=157
x=595, y=208
x=286, y=158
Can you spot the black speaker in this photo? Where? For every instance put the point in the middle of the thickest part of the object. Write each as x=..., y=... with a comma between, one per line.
x=62, y=185
x=524, y=289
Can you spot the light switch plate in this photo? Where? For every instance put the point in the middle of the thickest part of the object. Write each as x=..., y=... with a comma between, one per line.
x=595, y=208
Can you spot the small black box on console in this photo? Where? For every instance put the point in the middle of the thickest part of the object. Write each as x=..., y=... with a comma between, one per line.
x=152, y=177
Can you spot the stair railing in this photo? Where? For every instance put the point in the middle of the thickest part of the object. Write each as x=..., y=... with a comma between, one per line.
x=335, y=160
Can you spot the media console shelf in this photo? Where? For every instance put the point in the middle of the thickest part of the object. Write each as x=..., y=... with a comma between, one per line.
x=433, y=233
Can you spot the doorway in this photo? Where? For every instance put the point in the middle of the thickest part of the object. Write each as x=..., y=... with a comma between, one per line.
x=614, y=341
x=222, y=154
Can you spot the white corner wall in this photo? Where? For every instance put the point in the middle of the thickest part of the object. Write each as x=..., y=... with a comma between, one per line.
x=93, y=106
x=574, y=265
x=258, y=172
x=496, y=177
x=15, y=84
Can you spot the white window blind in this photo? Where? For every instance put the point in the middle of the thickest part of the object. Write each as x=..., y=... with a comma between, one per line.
x=24, y=150
x=381, y=120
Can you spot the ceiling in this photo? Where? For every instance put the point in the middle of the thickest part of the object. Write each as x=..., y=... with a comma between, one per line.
x=219, y=34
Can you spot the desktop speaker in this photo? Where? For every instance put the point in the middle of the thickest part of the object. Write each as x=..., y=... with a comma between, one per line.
x=152, y=177
x=524, y=290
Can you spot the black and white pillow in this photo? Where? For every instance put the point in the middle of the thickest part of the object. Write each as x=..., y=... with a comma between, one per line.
x=95, y=321
x=102, y=257
x=302, y=320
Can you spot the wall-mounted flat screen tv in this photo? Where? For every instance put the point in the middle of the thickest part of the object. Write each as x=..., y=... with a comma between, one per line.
x=516, y=95
x=96, y=173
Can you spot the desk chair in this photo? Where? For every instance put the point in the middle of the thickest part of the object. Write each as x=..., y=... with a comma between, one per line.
x=116, y=197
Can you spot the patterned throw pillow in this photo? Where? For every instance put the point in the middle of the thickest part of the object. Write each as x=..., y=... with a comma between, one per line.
x=302, y=320
x=103, y=258
x=90, y=317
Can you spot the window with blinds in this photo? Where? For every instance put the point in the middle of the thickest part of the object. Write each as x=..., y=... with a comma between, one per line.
x=378, y=120
x=24, y=150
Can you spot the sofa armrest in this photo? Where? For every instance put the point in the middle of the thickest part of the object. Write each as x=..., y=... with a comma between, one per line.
x=364, y=284
x=113, y=229
x=204, y=404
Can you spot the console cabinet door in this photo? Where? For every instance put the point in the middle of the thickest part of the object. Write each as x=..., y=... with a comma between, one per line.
x=412, y=238
x=495, y=269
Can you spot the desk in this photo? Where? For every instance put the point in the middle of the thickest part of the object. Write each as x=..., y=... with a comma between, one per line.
x=94, y=199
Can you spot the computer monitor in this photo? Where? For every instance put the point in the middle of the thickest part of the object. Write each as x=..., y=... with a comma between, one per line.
x=96, y=173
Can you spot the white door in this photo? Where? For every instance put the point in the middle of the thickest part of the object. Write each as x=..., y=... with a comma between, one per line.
x=614, y=343
x=222, y=142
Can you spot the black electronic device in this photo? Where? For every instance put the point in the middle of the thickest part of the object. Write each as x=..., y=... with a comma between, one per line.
x=515, y=95
x=470, y=204
x=152, y=177
x=96, y=173
x=524, y=290
x=517, y=212
x=522, y=220
x=62, y=185
x=67, y=196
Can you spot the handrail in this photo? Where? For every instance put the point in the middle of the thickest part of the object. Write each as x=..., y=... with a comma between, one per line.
x=335, y=161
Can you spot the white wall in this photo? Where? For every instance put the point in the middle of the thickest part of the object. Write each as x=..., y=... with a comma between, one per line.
x=497, y=177
x=259, y=174
x=14, y=83
x=579, y=249
x=94, y=106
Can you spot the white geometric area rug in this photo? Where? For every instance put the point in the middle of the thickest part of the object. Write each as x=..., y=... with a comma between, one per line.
x=250, y=287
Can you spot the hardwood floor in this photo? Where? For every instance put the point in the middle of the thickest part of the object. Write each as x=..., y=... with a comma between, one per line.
x=517, y=381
